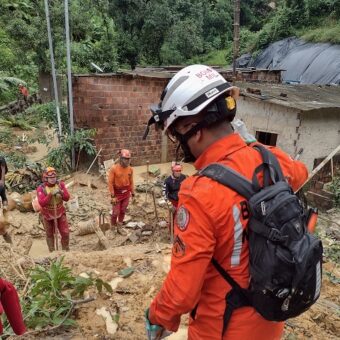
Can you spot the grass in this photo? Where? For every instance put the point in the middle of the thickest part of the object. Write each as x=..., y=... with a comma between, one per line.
x=324, y=34
x=216, y=57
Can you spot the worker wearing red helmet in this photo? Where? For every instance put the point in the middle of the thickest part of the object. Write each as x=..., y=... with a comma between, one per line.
x=121, y=188
x=173, y=183
x=51, y=195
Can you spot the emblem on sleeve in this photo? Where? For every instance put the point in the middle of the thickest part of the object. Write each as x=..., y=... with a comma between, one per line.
x=182, y=218
x=178, y=248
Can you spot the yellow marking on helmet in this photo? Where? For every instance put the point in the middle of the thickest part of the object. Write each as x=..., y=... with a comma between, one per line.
x=231, y=103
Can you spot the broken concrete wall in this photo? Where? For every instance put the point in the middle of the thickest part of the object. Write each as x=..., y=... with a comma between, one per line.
x=267, y=117
x=117, y=106
x=319, y=134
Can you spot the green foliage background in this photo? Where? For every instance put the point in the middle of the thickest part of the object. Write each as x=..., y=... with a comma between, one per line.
x=126, y=33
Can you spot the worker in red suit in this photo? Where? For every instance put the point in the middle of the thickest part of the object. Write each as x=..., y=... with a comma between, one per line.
x=9, y=303
x=51, y=195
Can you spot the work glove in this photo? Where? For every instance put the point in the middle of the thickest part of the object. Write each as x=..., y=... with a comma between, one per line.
x=114, y=200
x=56, y=191
x=154, y=332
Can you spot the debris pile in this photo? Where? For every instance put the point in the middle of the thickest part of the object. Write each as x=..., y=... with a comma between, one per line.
x=26, y=179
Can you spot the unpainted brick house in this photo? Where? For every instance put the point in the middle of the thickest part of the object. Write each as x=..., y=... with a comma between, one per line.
x=117, y=106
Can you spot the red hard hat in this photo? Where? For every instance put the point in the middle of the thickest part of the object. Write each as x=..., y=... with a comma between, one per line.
x=125, y=153
x=49, y=172
x=177, y=167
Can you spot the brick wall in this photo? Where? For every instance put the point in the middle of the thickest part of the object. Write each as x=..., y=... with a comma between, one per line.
x=117, y=106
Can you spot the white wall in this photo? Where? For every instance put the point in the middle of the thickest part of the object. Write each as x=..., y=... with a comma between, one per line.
x=263, y=116
x=319, y=134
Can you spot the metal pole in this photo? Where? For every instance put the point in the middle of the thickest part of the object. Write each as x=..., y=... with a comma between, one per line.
x=56, y=98
x=236, y=35
x=69, y=79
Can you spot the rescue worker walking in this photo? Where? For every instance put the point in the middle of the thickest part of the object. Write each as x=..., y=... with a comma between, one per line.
x=172, y=184
x=121, y=188
x=51, y=195
x=196, y=109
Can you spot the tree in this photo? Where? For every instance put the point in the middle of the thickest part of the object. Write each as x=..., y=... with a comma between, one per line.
x=128, y=16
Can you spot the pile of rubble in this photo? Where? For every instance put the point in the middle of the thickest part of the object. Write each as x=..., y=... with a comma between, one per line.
x=26, y=179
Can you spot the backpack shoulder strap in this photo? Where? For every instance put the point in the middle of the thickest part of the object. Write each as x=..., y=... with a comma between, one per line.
x=229, y=178
x=271, y=161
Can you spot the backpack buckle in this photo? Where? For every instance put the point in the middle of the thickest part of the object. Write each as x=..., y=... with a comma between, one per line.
x=275, y=235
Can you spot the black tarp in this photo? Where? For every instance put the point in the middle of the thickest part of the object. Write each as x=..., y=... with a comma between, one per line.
x=306, y=63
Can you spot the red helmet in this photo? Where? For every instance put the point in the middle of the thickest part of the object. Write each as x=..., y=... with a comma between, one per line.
x=49, y=172
x=176, y=167
x=125, y=153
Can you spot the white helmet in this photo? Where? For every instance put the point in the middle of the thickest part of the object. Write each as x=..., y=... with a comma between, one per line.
x=190, y=91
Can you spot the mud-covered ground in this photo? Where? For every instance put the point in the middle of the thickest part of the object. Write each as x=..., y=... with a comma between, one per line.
x=149, y=256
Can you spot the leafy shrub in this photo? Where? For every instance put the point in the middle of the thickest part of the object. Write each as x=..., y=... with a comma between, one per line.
x=47, y=112
x=60, y=157
x=335, y=188
x=50, y=296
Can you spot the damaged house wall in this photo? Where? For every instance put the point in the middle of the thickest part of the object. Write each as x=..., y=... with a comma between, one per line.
x=319, y=134
x=117, y=106
x=316, y=131
x=267, y=117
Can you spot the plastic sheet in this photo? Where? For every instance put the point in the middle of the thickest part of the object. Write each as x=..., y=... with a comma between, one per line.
x=303, y=62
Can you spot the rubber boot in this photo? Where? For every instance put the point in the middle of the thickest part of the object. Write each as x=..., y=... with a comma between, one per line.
x=65, y=243
x=120, y=229
x=7, y=237
x=50, y=243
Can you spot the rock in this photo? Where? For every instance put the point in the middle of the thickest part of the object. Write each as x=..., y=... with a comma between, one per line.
x=84, y=275
x=115, y=282
x=127, y=219
x=111, y=325
x=134, y=237
x=132, y=225
x=148, y=209
x=163, y=224
x=162, y=202
x=140, y=224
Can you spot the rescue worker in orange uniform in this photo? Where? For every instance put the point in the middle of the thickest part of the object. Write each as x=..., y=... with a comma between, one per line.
x=196, y=109
x=51, y=195
x=121, y=188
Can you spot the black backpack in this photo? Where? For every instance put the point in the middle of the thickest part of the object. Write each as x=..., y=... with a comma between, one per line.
x=285, y=259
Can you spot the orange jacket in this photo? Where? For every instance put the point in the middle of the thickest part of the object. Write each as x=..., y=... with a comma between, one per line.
x=120, y=180
x=209, y=224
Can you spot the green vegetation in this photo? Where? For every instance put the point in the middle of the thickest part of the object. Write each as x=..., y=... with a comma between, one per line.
x=335, y=189
x=125, y=33
x=60, y=156
x=52, y=294
x=326, y=34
